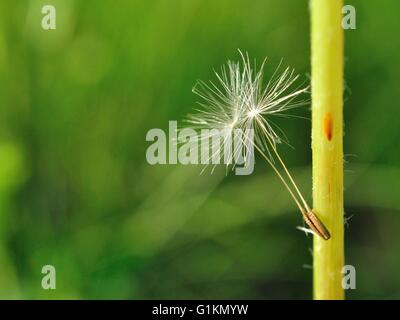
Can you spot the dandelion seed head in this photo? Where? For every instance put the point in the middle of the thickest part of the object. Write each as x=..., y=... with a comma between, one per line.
x=239, y=99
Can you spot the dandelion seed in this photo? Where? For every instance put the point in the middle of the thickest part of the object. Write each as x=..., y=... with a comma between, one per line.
x=240, y=101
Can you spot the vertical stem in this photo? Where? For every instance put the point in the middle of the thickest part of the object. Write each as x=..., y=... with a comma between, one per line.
x=327, y=144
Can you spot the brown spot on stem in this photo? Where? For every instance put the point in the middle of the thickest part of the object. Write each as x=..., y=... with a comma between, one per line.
x=328, y=126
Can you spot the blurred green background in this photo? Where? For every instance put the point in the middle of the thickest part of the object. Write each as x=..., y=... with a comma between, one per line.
x=76, y=191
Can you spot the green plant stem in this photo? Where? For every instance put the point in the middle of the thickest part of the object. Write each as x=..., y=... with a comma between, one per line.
x=327, y=144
